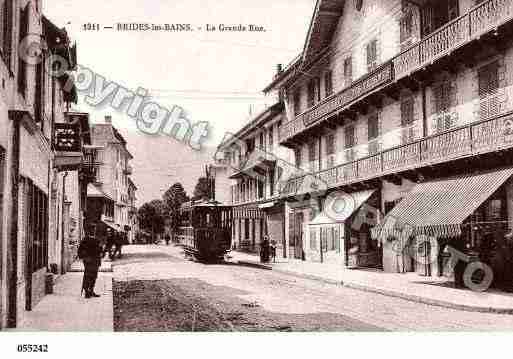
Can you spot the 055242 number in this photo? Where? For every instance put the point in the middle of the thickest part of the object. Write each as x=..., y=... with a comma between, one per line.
x=32, y=348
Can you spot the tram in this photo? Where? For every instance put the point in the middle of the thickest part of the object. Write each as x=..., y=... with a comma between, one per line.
x=205, y=230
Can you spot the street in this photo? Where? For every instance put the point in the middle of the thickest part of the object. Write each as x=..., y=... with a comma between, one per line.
x=156, y=289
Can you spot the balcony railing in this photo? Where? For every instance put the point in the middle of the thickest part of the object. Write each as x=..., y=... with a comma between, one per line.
x=366, y=84
x=479, y=20
x=469, y=140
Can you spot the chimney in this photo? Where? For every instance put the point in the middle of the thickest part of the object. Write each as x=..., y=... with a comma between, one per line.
x=108, y=119
x=279, y=69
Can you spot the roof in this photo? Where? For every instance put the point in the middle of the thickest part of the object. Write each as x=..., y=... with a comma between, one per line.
x=262, y=118
x=323, y=25
x=439, y=208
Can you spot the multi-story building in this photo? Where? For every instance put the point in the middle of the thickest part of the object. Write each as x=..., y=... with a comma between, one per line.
x=407, y=107
x=132, y=211
x=109, y=201
x=41, y=174
x=252, y=155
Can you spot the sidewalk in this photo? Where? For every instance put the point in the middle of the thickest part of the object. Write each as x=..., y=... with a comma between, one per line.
x=67, y=311
x=409, y=286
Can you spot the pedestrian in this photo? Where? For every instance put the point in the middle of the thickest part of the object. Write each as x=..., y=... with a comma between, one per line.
x=90, y=252
x=119, y=241
x=110, y=241
x=264, y=250
x=273, y=250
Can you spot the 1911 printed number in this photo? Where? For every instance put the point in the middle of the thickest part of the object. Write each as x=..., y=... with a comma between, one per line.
x=32, y=348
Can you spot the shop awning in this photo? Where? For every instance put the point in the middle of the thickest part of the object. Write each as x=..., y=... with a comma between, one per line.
x=339, y=209
x=438, y=208
x=94, y=192
x=112, y=225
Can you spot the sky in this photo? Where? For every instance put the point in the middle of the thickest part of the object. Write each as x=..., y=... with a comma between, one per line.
x=216, y=76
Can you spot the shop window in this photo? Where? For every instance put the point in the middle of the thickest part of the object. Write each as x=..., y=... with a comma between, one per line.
x=35, y=214
x=488, y=90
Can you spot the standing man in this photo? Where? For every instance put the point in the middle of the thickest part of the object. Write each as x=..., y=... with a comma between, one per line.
x=91, y=253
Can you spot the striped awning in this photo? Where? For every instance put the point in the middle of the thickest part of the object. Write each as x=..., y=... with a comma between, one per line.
x=438, y=208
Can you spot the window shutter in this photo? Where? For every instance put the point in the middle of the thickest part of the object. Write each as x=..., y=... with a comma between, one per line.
x=407, y=111
x=328, y=83
x=372, y=55
x=330, y=144
x=406, y=26
x=488, y=90
x=349, y=136
x=348, y=71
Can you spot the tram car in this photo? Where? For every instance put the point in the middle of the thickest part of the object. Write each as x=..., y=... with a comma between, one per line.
x=205, y=230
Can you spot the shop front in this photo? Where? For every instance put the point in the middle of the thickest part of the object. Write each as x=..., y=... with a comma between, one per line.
x=341, y=233
x=444, y=225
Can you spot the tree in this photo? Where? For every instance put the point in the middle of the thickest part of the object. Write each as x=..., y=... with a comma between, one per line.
x=174, y=197
x=151, y=216
x=202, y=189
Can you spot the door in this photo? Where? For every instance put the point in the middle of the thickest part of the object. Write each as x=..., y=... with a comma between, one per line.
x=296, y=235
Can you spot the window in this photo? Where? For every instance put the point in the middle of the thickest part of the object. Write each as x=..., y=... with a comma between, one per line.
x=6, y=27
x=246, y=228
x=2, y=187
x=407, y=114
x=261, y=141
x=348, y=71
x=271, y=137
x=406, y=26
x=22, y=65
x=350, y=138
x=297, y=157
x=311, y=93
x=373, y=127
x=272, y=179
x=442, y=97
x=330, y=144
x=312, y=151
x=297, y=103
x=35, y=212
x=488, y=89
x=328, y=83
x=260, y=189
x=372, y=55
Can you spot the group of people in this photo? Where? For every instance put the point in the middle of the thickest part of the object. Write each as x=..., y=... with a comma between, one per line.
x=114, y=242
x=91, y=251
x=268, y=250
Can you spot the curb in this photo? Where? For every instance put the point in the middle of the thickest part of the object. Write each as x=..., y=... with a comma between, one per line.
x=385, y=292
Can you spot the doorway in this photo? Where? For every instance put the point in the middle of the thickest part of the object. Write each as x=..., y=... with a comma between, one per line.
x=296, y=235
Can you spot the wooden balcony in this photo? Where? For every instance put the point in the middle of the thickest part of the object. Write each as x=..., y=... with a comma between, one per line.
x=462, y=142
x=480, y=20
x=453, y=35
x=368, y=83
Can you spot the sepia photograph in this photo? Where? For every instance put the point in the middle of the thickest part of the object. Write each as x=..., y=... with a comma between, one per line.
x=246, y=174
